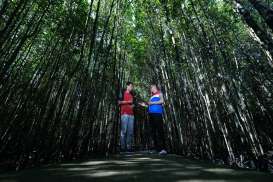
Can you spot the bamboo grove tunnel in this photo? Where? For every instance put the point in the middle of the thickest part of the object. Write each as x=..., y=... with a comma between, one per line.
x=63, y=64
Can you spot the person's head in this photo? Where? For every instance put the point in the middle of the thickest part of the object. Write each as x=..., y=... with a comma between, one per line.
x=154, y=88
x=129, y=86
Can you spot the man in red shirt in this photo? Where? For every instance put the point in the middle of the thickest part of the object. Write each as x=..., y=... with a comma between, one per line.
x=127, y=119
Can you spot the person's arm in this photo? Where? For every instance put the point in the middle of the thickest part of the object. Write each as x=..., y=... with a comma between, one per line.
x=143, y=104
x=125, y=102
x=161, y=101
x=130, y=101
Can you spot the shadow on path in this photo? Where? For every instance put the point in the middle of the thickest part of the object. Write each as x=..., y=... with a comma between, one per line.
x=136, y=167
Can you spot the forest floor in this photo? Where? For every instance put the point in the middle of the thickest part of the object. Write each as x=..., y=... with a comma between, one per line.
x=135, y=167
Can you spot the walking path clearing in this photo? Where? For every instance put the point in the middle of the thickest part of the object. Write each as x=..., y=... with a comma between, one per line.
x=136, y=167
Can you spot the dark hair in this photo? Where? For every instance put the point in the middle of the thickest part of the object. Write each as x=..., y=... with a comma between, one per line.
x=129, y=83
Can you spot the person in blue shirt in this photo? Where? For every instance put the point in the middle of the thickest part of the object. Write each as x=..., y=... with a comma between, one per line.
x=155, y=110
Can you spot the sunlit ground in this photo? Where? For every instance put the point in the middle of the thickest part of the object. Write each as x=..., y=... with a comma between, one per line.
x=137, y=167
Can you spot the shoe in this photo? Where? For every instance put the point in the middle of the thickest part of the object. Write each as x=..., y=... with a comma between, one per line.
x=163, y=152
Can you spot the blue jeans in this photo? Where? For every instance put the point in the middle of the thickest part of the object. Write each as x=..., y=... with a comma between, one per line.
x=127, y=131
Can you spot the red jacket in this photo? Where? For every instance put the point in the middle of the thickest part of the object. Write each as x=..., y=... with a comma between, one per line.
x=127, y=108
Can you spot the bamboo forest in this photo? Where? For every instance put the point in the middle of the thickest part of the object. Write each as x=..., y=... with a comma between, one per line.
x=64, y=65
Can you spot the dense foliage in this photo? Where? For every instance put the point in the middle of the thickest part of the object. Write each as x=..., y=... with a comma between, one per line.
x=64, y=62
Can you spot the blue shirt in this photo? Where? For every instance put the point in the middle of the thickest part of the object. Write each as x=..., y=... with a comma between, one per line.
x=155, y=108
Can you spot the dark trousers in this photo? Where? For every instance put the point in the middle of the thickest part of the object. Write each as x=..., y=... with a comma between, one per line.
x=157, y=131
